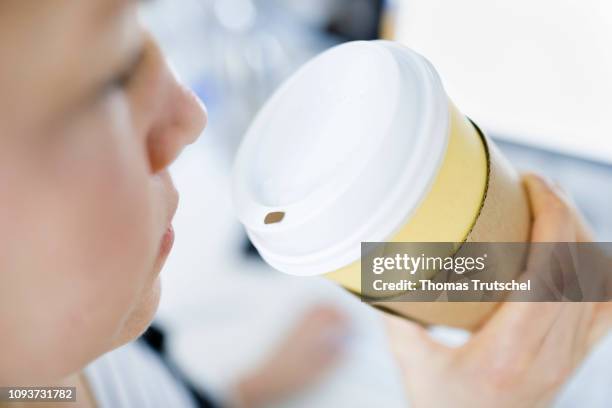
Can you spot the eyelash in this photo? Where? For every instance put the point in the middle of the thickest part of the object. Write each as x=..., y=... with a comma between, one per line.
x=121, y=81
x=123, y=78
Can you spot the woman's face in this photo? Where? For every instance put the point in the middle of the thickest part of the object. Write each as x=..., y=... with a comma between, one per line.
x=90, y=119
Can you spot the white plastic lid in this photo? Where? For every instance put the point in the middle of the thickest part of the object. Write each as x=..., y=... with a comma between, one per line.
x=342, y=153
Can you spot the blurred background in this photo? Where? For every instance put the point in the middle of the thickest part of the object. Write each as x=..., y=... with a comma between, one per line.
x=534, y=75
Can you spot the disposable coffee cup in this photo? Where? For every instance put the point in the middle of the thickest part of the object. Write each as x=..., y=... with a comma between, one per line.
x=362, y=144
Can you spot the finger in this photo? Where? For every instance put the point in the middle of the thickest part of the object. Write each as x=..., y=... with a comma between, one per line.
x=552, y=268
x=568, y=339
x=553, y=273
x=584, y=232
x=553, y=223
x=553, y=216
x=523, y=325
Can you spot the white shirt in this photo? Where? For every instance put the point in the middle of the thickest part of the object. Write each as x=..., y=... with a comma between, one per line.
x=135, y=376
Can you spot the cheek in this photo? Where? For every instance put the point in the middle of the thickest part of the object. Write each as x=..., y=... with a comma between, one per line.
x=82, y=252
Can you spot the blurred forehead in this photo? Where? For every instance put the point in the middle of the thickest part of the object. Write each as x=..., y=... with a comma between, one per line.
x=52, y=48
x=38, y=15
x=94, y=9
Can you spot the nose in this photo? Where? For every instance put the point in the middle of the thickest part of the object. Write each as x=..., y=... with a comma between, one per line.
x=177, y=116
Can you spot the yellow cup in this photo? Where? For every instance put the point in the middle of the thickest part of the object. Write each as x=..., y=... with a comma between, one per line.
x=364, y=145
x=475, y=186
x=452, y=206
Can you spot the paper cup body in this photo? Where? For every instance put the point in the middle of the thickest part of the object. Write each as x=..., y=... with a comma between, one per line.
x=363, y=145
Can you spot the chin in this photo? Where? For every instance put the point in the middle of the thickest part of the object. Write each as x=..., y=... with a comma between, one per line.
x=142, y=315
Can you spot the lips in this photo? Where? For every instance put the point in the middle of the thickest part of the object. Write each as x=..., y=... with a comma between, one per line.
x=171, y=199
x=167, y=242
